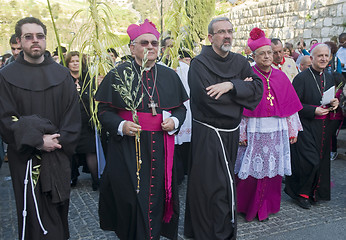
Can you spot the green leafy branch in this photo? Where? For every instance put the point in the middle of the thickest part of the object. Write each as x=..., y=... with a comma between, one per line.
x=126, y=91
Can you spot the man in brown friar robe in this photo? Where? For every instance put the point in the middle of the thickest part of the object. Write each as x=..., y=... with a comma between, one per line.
x=40, y=121
x=310, y=155
x=221, y=84
x=146, y=207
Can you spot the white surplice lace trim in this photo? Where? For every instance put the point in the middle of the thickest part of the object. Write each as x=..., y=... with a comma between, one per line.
x=268, y=151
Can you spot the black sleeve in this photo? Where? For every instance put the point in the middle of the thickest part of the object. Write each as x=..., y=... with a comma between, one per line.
x=300, y=85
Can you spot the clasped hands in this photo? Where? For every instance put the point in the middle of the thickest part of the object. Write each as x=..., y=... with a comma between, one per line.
x=131, y=128
x=220, y=88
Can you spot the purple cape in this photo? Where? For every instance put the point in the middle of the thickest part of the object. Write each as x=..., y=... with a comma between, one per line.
x=286, y=101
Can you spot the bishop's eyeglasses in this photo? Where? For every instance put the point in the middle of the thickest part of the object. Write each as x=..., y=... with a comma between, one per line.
x=145, y=43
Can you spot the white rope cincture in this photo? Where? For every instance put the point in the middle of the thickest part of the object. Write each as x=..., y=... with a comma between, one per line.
x=25, y=191
x=29, y=169
x=217, y=130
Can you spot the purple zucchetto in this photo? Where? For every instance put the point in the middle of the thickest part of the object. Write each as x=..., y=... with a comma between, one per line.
x=257, y=39
x=147, y=27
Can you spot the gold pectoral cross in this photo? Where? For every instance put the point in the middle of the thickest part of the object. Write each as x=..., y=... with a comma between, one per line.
x=153, y=107
x=270, y=98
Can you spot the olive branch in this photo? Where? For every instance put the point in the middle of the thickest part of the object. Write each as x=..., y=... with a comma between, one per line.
x=124, y=88
x=129, y=96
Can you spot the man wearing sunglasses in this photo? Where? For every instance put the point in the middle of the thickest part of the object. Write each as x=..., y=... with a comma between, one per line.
x=141, y=204
x=40, y=121
x=221, y=85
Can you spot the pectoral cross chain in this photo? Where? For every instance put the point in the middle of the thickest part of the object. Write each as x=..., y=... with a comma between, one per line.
x=270, y=98
x=153, y=107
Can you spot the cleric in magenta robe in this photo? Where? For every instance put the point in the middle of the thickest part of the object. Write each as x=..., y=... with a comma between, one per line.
x=153, y=210
x=265, y=136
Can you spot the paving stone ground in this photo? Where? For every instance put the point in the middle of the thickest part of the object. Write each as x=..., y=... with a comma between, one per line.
x=326, y=220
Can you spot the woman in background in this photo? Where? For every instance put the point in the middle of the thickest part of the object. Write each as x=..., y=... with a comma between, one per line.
x=86, y=148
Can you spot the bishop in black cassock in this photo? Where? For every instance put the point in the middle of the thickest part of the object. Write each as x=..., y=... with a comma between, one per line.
x=310, y=179
x=152, y=209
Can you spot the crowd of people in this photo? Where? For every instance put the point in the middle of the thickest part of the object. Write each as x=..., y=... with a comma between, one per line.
x=237, y=126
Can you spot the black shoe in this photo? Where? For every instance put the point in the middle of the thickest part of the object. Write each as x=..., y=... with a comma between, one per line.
x=303, y=203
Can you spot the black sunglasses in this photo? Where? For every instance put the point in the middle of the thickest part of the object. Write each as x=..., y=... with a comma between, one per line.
x=30, y=36
x=145, y=43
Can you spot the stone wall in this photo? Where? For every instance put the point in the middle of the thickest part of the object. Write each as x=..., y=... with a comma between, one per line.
x=289, y=20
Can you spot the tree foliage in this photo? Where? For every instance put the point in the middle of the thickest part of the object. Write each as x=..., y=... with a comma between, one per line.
x=178, y=24
x=200, y=13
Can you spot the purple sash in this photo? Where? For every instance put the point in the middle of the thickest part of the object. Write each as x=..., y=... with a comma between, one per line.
x=148, y=122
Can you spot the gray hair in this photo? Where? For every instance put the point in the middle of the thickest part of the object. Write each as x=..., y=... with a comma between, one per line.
x=218, y=19
x=319, y=46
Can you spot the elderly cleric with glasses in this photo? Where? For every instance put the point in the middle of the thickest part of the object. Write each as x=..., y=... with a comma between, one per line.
x=141, y=204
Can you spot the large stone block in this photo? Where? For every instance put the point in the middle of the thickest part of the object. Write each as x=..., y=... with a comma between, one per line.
x=293, y=19
x=319, y=23
x=275, y=33
x=235, y=14
x=286, y=7
x=287, y=33
x=316, y=33
x=332, y=11
x=292, y=6
x=328, y=22
x=337, y=1
x=269, y=32
x=279, y=9
x=323, y=12
x=310, y=23
x=307, y=33
x=256, y=12
x=339, y=10
x=335, y=30
x=271, y=23
x=270, y=10
x=301, y=14
x=285, y=21
x=325, y=31
x=338, y=20
x=298, y=33
x=261, y=4
x=325, y=39
x=300, y=23
x=314, y=14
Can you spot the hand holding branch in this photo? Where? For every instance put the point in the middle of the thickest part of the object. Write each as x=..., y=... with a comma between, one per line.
x=130, y=128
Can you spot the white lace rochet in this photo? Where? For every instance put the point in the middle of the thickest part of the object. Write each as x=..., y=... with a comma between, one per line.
x=268, y=149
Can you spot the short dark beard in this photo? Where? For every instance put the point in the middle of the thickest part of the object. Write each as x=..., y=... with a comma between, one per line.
x=34, y=56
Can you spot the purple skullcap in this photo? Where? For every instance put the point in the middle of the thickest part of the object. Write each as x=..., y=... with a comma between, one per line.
x=135, y=31
x=315, y=45
x=257, y=39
